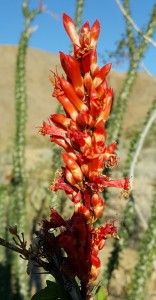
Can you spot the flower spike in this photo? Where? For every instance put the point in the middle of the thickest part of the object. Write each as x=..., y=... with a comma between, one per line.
x=86, y=99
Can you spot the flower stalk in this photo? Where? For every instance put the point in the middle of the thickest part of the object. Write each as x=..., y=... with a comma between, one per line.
x=86, y=100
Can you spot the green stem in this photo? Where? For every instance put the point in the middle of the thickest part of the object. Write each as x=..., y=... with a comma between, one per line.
x=116, y=119
x=17, y=207
x=129, y=30
x=131, y=209
x=78, y=13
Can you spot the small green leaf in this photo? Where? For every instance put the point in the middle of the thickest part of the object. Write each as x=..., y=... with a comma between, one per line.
x=53, y=291
x=102, y=294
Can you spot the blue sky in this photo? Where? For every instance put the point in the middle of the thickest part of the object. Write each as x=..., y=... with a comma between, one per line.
x=50, y=35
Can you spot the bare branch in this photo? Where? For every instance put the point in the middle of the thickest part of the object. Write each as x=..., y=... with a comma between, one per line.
x=14, y=248
x=130, y=20
x=140, y=144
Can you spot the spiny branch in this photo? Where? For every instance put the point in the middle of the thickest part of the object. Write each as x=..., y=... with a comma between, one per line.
x=130, y=20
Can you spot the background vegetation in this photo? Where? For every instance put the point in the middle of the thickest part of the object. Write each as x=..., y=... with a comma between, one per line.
x=28, y=162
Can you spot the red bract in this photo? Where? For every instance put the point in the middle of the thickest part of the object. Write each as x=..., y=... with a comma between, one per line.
x=86, y=100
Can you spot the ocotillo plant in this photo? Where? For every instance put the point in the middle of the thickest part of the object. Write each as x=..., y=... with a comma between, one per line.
x=130, y=212
x=86, y=100
x=116, y=120
x=115, y=123
x=68, y=249
x=17, y=189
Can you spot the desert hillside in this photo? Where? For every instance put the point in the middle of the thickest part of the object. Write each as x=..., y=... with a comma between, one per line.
x=38, y=150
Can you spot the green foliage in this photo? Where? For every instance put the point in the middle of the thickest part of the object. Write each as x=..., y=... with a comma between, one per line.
x=102, y=294
x=52, y=291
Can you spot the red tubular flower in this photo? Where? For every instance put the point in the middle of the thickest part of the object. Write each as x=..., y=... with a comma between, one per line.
x=73, y=167
x=63, y=143
x=107, y=106
x=48, y=129
x=69, y=63
x=101, y=75
x=71, y=94
x=68, y=175
x=68, y=106
x=70, y=29
x=60, y=121
x=85, y=35
x=94, y=68
x=97, y=205
x=86, y=100
x=95, y=31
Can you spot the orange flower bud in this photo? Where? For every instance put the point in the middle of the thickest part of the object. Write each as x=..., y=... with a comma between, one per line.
x=86, y=213
x=100, y=134
x=77, y=199
x=95, y=268
x=73, y=166
x=63, y=143
x=60, y=120
x=71, y=94
x=95, y=200
x=95, y=166
x=95, y=261
x=97, y=204
x=68, y=175
x=68, y=106
x=101, y=75
x=83, y=119
x=88, y=81
x=71, y=29
x=72, y=69
x=95, y=250
x=85, y=34
x=85, y=170
x=101, y=244
x=98, y=209
x=94, y=68
x=95, y=31
x=102, y=89
x=106, y=111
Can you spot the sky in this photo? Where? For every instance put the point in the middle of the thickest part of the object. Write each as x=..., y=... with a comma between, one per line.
x=51, y=36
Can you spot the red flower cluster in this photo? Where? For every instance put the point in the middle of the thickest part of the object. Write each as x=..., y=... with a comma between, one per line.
x=86, y=100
